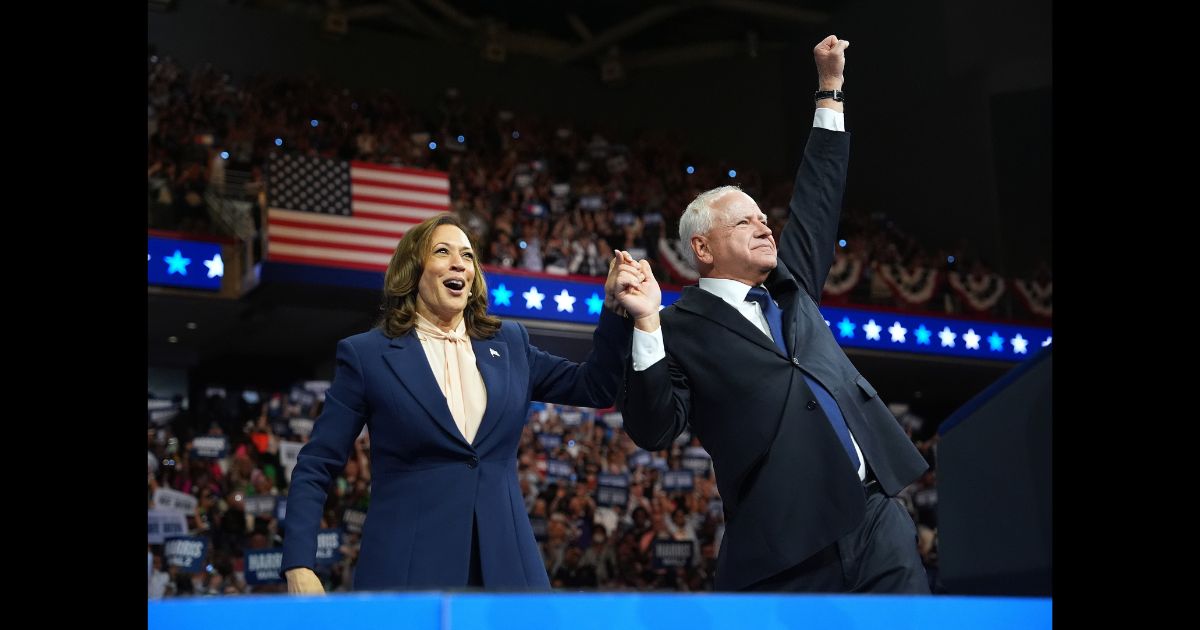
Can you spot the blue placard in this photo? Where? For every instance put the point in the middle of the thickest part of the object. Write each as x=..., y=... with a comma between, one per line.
x=210, y=446
x=186, y=264
x=672, y=553
x=612, y=495
x=262, y=566
x=615, y=481
x=558, y=469
x=640, y=458
x=571, y=418
x=259, y=505
x=186, y=552
x=696, y=463
x=550, y=441
x=678, y=480
x=329, y=544
x=354, y=520
x=163, y=524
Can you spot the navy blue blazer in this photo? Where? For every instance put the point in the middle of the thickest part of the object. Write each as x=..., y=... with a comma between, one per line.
x=427, y=482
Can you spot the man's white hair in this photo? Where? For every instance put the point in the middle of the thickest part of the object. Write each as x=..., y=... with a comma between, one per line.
x=697, y=219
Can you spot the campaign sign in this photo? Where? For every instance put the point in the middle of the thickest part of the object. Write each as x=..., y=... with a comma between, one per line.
x=640, y=458
x=210, y=446
x=329, y=543
x=287, y=456
x=353, y=520
x=674, y=480
x=259, y=505
x=186, y=552
x=262, y=566
x=168, y=499
x=672, y=553
x=611, y=495
x=559, y=470
x=549, y=441
x=163, y=523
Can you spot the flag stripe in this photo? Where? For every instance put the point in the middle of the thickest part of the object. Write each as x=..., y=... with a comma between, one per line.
x=275, y=224
x=418, y=199
x=399, y=213
x=310, y=252
x=324, y=221
x=284, y=234
x=400, y=174
x=360, y=181
x=321, y=262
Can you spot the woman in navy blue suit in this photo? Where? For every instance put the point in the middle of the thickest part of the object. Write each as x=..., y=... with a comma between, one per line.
x=444, y=389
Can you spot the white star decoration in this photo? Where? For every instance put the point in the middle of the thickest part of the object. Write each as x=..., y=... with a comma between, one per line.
x=972, y=339
x=947, y=337
x=872, y=329
x=216, y=267
x=1047, y=341
x=533, y=299
x=1018, y=344
x=897, y=332
x=566, y=302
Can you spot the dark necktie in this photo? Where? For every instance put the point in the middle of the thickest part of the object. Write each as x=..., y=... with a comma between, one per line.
x=828, y=404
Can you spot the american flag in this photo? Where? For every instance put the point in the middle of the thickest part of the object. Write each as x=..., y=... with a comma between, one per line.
x=345, y=214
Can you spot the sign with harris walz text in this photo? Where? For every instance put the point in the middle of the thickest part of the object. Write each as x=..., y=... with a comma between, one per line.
x=162, y=524
x=186, y=552
x=262, y=566
x=329, y=546
x=612, y=489
x=672, y=553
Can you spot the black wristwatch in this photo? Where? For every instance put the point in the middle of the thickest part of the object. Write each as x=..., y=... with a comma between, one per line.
x=836, y=95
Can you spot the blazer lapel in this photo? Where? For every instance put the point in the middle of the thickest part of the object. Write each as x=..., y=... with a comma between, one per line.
x=407, y=359
x=491, y=355
x=786, y=291
x=711, y=307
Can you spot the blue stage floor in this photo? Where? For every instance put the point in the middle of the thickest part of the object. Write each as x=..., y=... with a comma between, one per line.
x=606, y=611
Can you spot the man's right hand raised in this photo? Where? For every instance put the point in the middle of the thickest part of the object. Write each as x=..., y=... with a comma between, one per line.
x=830, y=56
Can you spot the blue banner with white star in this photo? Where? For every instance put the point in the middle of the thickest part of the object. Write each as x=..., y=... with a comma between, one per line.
x=186, y=264
x=580, y=301
x=550, y=298
x=926, y=334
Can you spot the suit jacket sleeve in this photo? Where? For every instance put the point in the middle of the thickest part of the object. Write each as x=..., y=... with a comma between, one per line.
x=806, y=245
x=592, y=383
x=655, y=403
x=323, y=457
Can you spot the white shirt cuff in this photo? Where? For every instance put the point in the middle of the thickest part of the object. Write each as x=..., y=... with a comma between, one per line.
x=647, y=348
x=826, y=118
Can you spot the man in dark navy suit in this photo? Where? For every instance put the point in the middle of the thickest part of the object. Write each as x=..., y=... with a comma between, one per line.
x=807, y=457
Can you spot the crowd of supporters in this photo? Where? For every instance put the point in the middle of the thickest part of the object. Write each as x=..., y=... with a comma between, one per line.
x=607, y=515
x=539, y=193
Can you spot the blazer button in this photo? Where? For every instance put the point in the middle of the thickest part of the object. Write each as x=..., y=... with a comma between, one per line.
x=473, y=463
x=795, y=362
x=812, y=404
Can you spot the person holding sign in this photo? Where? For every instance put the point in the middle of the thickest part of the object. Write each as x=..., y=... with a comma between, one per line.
x=443, y=388
x=807, y=456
